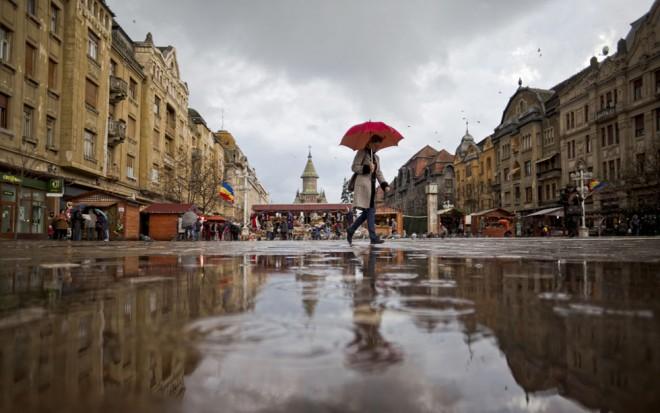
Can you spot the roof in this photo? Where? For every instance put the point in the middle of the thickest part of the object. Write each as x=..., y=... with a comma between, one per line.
x=310, y=170
x=168, y=208
x=301, y=208
x=555, y=211
x=444, y=156
x=101, y=198
x=501, y=211
x=195, y=116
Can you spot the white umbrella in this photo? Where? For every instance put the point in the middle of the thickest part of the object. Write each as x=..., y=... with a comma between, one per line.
x=189, y=219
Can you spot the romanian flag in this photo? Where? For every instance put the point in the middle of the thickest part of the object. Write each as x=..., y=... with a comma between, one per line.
x=596, y=185
x=226, y=192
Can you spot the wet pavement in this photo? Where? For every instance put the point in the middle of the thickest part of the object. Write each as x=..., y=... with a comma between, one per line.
x=469, y=325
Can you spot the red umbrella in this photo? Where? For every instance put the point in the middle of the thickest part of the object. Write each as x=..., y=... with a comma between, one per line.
x=358, y=136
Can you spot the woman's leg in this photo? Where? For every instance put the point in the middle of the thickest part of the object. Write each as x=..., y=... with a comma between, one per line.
x=371, y=223
x=359, y=221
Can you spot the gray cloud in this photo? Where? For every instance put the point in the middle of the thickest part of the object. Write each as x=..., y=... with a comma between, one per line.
x=279, y=67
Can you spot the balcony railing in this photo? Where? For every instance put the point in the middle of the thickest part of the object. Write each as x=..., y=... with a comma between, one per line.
x=606, y=113
x=116, y=132
x=113, y=172
x=118, y=89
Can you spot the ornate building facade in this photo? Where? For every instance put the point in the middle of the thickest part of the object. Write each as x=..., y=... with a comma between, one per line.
x=83, y=107
x=611, y=122
x=408, y=190
x=474, y=167
x=310, y=193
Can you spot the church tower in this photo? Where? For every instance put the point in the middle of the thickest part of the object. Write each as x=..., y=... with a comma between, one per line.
x=310, y=193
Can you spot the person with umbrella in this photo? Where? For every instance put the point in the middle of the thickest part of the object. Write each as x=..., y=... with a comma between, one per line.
x=367, y=138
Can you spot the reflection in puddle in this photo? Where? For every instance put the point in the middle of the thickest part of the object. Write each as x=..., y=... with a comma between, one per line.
x=375, y=330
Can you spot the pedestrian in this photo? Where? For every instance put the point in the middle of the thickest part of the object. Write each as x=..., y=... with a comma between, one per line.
x=197, y=229
x=102, y=226
x=269, y=230
x=393, y=226
x=61, y=225
x=77, y=222
x=367, y=167
x=284, y=230
x=635, y=225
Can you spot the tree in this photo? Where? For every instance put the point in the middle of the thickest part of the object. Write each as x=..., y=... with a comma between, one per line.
x=346, y=195
x=193, y=180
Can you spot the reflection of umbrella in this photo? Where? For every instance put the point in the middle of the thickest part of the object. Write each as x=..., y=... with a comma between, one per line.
x=358, y=136
x=99, y=212
x=189, y=219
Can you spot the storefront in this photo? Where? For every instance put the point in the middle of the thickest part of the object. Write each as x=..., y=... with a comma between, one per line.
x=24, y=207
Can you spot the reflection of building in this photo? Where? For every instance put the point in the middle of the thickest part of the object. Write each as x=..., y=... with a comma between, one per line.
x=310, y=193
x=112, y=329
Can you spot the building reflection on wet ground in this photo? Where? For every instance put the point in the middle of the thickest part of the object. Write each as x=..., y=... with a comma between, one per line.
x=368, y=330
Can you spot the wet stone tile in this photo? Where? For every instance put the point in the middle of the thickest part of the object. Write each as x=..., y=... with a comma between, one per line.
x=297, y=327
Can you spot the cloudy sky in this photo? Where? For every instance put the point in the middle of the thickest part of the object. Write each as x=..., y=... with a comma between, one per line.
x=293, y=73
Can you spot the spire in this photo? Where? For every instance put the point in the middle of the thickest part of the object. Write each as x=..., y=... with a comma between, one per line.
x=467, y=129
x=309, y=155
x=310, y=170
x=520, y=82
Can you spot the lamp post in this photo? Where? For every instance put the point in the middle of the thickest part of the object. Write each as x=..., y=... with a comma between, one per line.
x=579, y=177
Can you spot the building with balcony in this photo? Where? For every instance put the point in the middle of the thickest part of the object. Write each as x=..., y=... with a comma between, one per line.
x=611, y=123
x=474, y=167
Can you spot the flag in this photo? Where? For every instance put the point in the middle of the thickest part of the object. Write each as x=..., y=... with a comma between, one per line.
x=596, y=185
x=226, y=192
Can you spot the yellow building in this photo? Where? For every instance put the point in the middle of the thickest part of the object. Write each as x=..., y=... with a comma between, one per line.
x=474, y=167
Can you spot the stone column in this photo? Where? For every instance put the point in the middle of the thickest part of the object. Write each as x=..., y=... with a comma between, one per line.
x=432, y=208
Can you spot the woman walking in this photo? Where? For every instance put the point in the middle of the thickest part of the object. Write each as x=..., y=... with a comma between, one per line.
x=366, y=166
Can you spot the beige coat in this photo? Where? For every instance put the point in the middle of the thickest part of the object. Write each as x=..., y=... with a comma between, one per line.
x=362, y=193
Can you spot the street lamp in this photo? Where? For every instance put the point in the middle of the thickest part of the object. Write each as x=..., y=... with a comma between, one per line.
x=579, y=177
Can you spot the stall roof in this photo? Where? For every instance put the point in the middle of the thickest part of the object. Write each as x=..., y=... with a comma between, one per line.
x=301, y=208
x=556, y=211
x=491, y=211
x=447, y=211
x=101, y=199
x=168, y=208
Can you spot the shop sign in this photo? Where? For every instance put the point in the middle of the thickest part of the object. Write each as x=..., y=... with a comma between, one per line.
x=55, y=187
x=8, y=193
x=11, y=178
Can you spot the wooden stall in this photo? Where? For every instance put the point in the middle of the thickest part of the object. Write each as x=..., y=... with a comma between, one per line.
x=162, y=219
x=123, y=213
x=480, y=221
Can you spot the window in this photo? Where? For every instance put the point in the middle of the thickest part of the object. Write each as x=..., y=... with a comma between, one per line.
x=586, y=113
x=89, y=146
x=539, y=193
x=468, y=171
x=528, y=168
x=639, y=125
x=657, y=81
x=4, y=107
x=91, y=93
x=637, y=88
x=92, y=46
x=130, y=166
x=156, y=141
x=131, y=128
x=50, y=132
x=587, y=144
x=568, y=121
x=605, y=170
x=549, y=136
x=517, y=194
x=639, y=162
x=507, y=198
x=5, y=44
x=616, y=132
x=610, y=134
x=154, y=173
x=572, y=120
x=618, y=167
x=506, y=174
x=52, y=74
x=28, y=119
x=553, y=194
x=657, y=120
x=30, y=60
x=157, y=106
x=526, y=142
x=612, y=171
x=54, y=18
x=571, y=149
x=132, y=89
x=488, y=163
x=113, y=68
x=32, y=7
x=528, y=194
x=169, y=147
